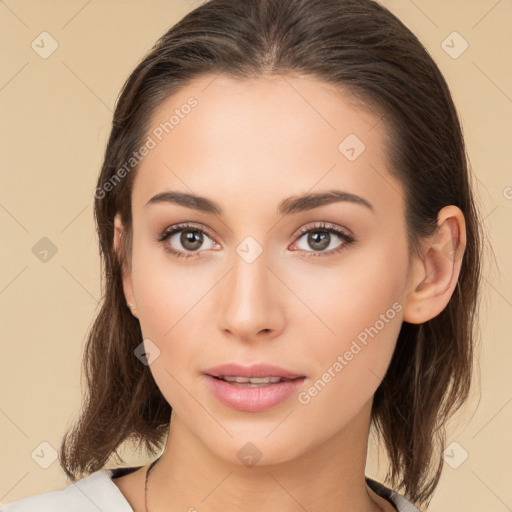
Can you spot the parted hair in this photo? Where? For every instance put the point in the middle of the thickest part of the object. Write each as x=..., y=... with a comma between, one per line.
x=362, y=48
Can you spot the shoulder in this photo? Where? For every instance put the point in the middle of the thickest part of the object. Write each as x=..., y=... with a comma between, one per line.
x=90, y=494
x=399, y=501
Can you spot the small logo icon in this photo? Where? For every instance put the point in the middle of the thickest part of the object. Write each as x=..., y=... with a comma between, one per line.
x=44, y=455
x=454, y=45
x=44, y=45
x=249, y=455
x=44, y=250
x=147, y=352
x=249, y=249
x=455, y=455
x=351, y=147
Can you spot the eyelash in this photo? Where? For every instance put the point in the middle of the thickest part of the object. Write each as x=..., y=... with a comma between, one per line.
x=329, y=228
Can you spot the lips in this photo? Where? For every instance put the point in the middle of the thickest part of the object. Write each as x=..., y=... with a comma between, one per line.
x=252, y=388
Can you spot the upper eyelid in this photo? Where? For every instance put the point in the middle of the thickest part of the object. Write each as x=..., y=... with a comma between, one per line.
x=176, y=228
x=323, y=225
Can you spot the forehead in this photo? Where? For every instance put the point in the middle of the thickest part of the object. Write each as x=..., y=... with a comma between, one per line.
x=270, y=136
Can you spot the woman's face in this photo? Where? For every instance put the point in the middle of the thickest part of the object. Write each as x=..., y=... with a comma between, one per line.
x=263, y=277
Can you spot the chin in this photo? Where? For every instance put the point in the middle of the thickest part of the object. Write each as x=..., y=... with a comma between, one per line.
x=255, y=449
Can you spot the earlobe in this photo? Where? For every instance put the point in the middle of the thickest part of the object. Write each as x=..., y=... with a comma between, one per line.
x=436, y=273
x=118, y=236
x=119, y=233
x=133, y=309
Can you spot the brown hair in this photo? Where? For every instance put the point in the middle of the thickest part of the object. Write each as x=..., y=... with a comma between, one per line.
x=362, y=48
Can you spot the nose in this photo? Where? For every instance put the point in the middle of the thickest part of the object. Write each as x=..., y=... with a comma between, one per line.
x=250, y=298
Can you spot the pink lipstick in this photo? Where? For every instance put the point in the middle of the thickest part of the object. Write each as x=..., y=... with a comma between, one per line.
x=252, y=388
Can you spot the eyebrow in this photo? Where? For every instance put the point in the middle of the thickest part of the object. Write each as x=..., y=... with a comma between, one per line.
x=290, y=205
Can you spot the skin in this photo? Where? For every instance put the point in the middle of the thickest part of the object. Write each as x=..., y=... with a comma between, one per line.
x=247, y=146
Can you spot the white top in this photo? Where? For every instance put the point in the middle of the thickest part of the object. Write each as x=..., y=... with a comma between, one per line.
x=98, y=492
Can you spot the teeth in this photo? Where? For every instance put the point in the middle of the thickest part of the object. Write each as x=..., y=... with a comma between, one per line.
x=252, y=380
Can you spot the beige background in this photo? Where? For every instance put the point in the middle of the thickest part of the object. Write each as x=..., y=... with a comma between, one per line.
x=56, y=115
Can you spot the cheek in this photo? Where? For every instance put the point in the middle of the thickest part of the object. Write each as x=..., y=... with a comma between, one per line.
x=350, y=366
x=360, y=306
x=171, y=300
x=352, y=294
x=165, y=290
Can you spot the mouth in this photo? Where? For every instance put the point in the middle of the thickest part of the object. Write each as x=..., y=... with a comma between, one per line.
x=252, y=389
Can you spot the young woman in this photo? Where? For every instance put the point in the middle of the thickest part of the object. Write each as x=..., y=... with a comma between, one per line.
x=291, y=256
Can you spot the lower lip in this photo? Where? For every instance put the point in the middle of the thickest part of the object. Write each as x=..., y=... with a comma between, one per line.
x=254, y=399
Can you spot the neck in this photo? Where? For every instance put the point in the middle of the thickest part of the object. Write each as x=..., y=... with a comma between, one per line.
x=329, y=477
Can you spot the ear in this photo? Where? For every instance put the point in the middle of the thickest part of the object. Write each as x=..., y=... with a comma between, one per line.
x=119, y=246
x=436, y=272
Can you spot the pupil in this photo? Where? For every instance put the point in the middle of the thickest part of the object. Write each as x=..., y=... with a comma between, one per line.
x=191, y=240
x=319, y=240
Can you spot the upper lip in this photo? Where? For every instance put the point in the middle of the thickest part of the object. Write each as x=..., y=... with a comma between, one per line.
x=257, y=371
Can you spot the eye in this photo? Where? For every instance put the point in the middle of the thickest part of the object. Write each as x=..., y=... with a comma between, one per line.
x=320, y=238
x=187, y=238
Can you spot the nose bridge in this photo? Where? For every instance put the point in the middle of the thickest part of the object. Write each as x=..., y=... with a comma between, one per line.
x=249, y=297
